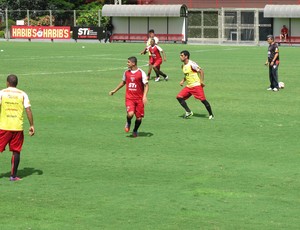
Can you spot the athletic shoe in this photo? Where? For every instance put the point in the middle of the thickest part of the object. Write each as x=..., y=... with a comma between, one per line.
x=134, y=134
x=275, y=90
x=188, y=114
x=269, y=89
x=127, y=127
x=157, y=79
x=14, y=178
x=211, y=117
x=167, y=78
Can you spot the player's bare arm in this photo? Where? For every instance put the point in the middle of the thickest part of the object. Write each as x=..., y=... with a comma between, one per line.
x=30, y=119
x=122, y=83
x=267, y=63
x=146, y=89
x=144, y=51
x=201, y=75
x=182, y=81
x=164, y=55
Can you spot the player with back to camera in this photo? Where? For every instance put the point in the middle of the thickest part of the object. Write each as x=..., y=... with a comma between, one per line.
x=157, y=57
x=273, y=63
x=194, y=78
x=13, y=101
x=137, y=88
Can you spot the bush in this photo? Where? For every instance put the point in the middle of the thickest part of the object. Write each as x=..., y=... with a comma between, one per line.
x=2, y=34
x=10, y=23
x=41, y=21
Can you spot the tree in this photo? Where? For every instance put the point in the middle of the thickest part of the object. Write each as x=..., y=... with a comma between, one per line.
x=20, y=7
x=88, y=15
x=62, y=10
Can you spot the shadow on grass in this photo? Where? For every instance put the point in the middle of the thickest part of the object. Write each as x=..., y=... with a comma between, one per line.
x=25, y=172
x=196, y=115
x=142, y=134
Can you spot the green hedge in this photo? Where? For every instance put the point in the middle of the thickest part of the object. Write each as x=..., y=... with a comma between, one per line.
x=2, y=33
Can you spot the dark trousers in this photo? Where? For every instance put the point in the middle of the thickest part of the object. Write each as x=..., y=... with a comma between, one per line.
x=273, y=76
x=107, y=36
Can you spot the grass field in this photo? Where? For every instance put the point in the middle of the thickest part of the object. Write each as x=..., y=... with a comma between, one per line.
x=82, y=171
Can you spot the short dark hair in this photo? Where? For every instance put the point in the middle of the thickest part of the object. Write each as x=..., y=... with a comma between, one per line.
x=12, y=80
x=270, y=36
x=133, y=59
x=186, y=53
x=151, y=31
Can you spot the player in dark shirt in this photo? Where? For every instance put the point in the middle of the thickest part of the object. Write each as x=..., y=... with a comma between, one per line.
x=273, y=63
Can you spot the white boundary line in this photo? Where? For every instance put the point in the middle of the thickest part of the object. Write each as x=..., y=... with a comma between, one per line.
x=77, y=72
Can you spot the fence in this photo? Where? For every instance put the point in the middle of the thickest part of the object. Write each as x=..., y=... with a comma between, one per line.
x=70, y=18
x=204, y=25
x=229, y=25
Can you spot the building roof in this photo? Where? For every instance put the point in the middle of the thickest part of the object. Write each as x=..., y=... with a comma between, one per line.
x=144, y=10
x=282, y=11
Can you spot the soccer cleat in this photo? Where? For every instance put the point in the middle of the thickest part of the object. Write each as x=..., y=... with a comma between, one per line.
x=275, y=90
x=127, y=127
x=14, y=178
x=157, y=79
x=211, y=117
x=134, y=134
x=188, y=114
x=269, y=89
x=166, y=78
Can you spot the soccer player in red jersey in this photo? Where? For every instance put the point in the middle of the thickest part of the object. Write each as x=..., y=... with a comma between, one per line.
x=137, y=88
x=157, y=57
x=12, y=102
x=151, y=36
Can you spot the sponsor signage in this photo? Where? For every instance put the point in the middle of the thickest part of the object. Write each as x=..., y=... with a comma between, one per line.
x=40, y=32
x=88, y=33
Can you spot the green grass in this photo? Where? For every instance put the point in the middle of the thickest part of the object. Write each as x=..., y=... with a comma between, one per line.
x=81, y=171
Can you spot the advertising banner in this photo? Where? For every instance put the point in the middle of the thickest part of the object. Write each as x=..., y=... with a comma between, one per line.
x=88, y=33
x=40, y=32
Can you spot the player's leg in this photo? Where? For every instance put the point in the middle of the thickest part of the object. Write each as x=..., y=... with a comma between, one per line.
x=139, y=114
x=208, y=108
x=149, y=71
x=270, y=78
x=137, y=124
x=198, y=93
x=15, y=146
x=128, y=121
x=182, y=96
x=158, y=71
x=15, y=161
x=275, y=78
x=150, y=67
x=156, y=67
x=130, y=108
x=5, y=137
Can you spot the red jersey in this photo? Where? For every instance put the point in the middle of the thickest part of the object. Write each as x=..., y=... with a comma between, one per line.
x=135, y=81
x=155, y=52
x=284, y=30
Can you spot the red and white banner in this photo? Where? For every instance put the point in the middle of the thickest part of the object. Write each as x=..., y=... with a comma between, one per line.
x=40, y=32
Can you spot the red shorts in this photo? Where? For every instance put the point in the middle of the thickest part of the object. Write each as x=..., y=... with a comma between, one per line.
x=150, y=60
x=136, y=106
x=196, y=91
x=156, y=62
x=15, y=140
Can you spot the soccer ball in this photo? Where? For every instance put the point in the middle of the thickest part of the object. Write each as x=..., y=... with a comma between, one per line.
x=281, y=85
